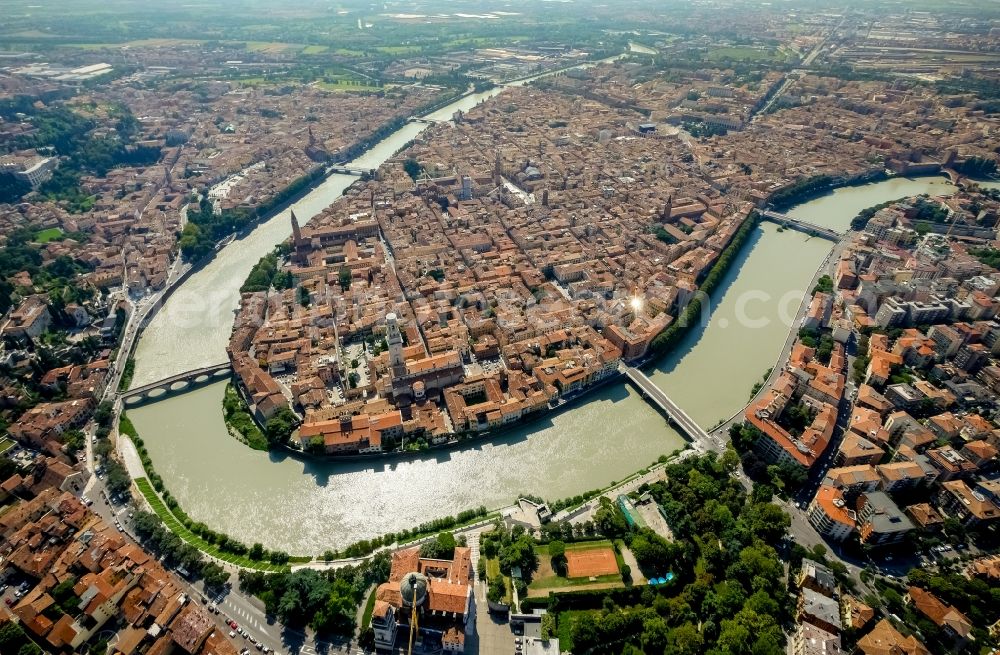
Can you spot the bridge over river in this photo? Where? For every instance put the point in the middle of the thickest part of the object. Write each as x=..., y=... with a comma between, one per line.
x=812, y=229
x=678, y=416
x=175, y=384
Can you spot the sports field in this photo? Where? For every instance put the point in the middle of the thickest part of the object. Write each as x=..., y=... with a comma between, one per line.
x=592, y=562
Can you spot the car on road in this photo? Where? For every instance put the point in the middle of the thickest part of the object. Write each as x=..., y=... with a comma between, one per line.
x=232, y=624
x=232, y=634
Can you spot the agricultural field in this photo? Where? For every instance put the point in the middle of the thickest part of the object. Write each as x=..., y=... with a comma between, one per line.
x=749, y=53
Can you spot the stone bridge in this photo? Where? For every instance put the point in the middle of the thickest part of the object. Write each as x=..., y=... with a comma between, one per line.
x=347, y=170
x=802, y=226
x=175, y=384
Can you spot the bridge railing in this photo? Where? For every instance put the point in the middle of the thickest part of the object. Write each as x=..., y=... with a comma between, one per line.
x=679, y=416
x=180, y=377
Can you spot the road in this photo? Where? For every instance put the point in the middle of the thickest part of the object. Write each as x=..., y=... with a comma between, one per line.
x=134, y=323
x=247, y=612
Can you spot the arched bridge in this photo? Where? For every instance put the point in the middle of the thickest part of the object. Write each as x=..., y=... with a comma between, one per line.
x=422, y=119
x=802, y=226
x=348, y=170
x=175, y=384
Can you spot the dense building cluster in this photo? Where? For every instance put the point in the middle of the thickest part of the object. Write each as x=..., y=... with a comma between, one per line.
x=919, y=447
x=77, y=576
x=543, y=240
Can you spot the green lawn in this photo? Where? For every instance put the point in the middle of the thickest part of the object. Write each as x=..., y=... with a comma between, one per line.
x=178, y=528
x=44, y=236
x=345, y=85
x=564, y=626
x=366, y=618
x=397, y=49
x=6, y=444
x=746, y=53
x=547, y=579
x=315, y=49
x=556, y=582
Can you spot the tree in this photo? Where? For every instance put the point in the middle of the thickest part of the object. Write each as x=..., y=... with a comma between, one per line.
x=684, y=640
x=118, y=480
x=609, y=520
x=548, y=626
x=344, y=277
x=412, y=168
x=557, y=553
x=730, y=460
x=104, y=413
x=655, y=555
x=304, y=297
x=767, y=520
x=520, y=553
x=442, y=547
x=280, y=426
x=12, y=188
x=305, y=591
x=213, y=575
x=497, y=590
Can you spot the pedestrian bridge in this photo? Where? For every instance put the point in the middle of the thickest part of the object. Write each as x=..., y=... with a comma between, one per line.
x=811, y=229
x=676, y=415
x=175, y=384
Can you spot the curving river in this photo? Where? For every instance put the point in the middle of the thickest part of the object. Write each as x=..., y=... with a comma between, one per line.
x=306, y=507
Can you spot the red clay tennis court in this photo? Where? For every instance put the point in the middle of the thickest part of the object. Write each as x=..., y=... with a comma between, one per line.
x=590, y=562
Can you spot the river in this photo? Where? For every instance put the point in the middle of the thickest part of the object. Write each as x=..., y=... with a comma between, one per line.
x=305, y=507
x=192, y=328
